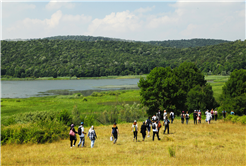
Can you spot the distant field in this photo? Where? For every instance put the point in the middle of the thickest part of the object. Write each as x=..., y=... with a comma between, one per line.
x=216, y=144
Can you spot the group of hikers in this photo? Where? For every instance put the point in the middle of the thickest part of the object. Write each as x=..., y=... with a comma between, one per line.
x=154, y=122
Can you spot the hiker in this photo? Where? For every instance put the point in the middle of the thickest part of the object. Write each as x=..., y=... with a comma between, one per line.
x=72, y=134
x=212, y=113
x=81, y=134
x=148, y=123
x=199, y=116
x=182, y=115
x=232, y=112
x=135, y=130
x=158, y=122
x=154, y=118
x=187, y=117
x=195, y=117
x=164, y=115
x=155, y=130
x=92, y=135
x=158, y=114
x=215, y=114
x=208, y=117
x=224, y=113
x=172, y=116
x=166, y=123
x=143, y=130
x=115, y=132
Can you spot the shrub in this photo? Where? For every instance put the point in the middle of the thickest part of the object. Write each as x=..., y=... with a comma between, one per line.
x=76, y=116
x=18, y=100
x=64, y=117
x=89, y=120
x=171, y=151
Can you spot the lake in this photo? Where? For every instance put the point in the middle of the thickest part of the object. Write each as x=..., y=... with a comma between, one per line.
x=25, y=89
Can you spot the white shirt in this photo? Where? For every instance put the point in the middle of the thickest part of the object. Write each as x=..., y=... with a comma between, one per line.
x=155, y=130
x=208, y=116
x=82, y=130
x=164, y=115
x=133, y=127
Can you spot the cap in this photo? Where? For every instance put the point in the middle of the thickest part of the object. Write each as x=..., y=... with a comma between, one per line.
x=82, y=123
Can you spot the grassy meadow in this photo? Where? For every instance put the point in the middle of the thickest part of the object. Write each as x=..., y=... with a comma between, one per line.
x=218, y=143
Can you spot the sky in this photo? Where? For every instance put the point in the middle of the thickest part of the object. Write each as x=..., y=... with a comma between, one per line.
x=126, y=19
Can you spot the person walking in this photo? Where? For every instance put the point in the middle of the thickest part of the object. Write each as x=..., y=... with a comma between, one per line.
x=208, y=117
x=187, y=117
x=212, y=114
x=172, y=116
x=232, y=112
x=199, y=116
x=72, y=134
x=135, y=130
x=224, y=114
x=92, y=135
x=155, y=130
x=158, y=114
x=115, y=133
x=143, y=130
x=166, y=123
x=164, y=114
x=81, y=134
x=182, y=115
x=148, y=123
x=195, y=117
x=215, y=114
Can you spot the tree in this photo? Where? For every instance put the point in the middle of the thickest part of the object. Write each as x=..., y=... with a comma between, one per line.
x=234, y=92
x=168, y=89
x=160, y=89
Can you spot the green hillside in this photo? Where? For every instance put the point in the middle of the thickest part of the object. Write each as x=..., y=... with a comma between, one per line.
x=45, y=58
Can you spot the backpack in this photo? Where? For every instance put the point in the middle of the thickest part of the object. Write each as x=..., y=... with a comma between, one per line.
x=134, y=127
x=187, y=116
x=159, y=124
x=166, y=122
x=153, y=126
x=182, y=116
x=79, y=131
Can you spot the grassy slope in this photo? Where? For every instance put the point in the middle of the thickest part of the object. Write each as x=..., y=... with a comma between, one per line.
x=200, y=144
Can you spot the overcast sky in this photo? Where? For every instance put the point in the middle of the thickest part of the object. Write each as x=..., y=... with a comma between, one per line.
x=132, y=20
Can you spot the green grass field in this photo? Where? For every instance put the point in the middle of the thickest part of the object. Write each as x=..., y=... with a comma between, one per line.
x=11, y=107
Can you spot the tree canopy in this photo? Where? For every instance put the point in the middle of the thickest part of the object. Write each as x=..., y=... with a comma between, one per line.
x=234, y=92
x=175, y=89
x=43, y=58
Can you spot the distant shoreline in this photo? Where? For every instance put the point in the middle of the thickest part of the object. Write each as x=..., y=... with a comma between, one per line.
x=72, y=78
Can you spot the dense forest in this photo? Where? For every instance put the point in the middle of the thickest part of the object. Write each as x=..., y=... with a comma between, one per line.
x=167, y=43
x=44, y=57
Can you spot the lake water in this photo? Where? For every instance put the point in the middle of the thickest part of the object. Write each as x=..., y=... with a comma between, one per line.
x=24, y=89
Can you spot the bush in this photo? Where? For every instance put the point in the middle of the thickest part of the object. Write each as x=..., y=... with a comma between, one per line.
x=96, y=94
x=64, y=117
x=171, y=151
x=39, y=132
x=236, y=119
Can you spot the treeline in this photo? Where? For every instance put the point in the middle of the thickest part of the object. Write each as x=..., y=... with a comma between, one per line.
x=46, y=58
x=167, y=43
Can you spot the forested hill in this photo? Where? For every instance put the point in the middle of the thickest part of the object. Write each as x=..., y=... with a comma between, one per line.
x=167, y=43
x=39, y=58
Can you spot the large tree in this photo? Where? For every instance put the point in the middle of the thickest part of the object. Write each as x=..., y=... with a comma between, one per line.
x=168, y=88
x=234, y=92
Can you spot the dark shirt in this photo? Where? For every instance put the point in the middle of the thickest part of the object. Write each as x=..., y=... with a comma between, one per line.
x=194, y=115
x=115, y=130
x=143, y=129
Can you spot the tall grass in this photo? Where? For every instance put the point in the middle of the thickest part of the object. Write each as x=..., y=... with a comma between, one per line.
x=217, y=144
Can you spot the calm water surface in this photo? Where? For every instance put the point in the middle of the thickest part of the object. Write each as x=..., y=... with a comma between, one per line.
x=24, y=89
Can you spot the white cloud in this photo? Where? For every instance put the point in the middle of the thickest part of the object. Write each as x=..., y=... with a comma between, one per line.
x=144, y=10
x=56, y=4
x=72, y=18
x=11, y=9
